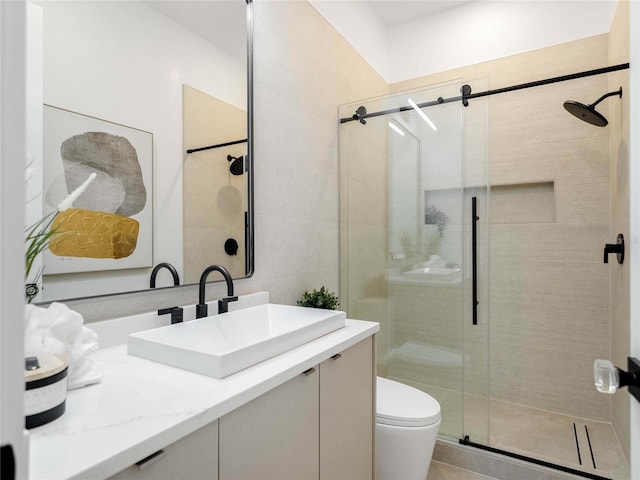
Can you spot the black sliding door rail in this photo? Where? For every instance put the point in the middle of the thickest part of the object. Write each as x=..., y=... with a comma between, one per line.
x=361, y=115
x=466, y=441
x=220, y=145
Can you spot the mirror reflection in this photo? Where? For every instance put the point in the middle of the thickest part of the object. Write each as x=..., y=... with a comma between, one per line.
x=215, y=134
x=162, y=77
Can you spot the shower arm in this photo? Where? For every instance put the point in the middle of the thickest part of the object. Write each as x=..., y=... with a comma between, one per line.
x=606, y=95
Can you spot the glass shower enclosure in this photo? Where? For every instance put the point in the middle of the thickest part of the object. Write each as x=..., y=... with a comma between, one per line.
x=476, y=241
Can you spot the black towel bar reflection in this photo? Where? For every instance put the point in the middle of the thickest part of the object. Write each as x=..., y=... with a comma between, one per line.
x=617, y=248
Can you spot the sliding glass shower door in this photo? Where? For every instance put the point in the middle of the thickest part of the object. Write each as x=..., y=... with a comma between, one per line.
x=407, y=255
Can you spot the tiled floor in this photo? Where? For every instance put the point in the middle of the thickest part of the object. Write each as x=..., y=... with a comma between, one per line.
x=442, y=471
x=584, y=445
x=535, y=433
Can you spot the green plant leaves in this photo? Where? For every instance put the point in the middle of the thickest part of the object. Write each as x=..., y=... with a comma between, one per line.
x=322, y=298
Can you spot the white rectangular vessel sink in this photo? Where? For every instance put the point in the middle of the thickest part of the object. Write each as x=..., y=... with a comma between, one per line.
x=221, y=345
x=435, y=272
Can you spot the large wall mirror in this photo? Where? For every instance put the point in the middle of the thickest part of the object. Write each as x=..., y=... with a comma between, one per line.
x=145, y=106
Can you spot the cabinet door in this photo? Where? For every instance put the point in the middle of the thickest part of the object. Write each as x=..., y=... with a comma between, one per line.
x=274, y=436
x=347, y=410
x=195, y=457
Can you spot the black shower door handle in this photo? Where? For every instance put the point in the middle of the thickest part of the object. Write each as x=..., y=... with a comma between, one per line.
x=474, y=257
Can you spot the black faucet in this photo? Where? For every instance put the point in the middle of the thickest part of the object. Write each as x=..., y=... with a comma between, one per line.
x=156, y=269
x=177, y=313
x=223, y=305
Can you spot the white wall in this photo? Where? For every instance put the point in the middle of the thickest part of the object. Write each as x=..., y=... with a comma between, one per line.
x=12, y=154
x=471, y=33
x=480, y=31
x=124, y=62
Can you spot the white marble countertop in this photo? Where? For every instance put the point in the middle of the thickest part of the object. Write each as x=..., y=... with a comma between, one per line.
x=142, y=406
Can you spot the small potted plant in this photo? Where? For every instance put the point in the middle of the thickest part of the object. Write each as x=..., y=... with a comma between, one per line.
x=322, y=298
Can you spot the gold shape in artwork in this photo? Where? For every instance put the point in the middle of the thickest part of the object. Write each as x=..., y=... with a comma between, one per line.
x=93, y=234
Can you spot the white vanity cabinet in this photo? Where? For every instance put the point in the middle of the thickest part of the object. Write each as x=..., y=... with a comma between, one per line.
x=194, y=457
x=274, y=436
x=266, y=421
x=347, y=413
x=318, y=425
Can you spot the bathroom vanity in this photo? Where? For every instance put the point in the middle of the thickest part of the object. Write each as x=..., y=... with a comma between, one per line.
x=306, y=413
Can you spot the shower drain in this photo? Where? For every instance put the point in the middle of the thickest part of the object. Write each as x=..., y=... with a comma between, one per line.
x=583, y=445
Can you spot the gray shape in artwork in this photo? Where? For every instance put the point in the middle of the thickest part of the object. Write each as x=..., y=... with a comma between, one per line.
x=104, y=194
x=113, y=155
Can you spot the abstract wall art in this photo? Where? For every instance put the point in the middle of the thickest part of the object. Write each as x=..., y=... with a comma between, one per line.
x=109, y=225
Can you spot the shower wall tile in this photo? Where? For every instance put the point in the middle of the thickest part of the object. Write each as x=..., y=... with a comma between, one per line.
x=290, y=253
x=549, y=298
x=476, y=366
x=367, y=248
x=618, y=116
x=363, y=180
x=523, y=203
x=570, y=57
x=375, y=309
x=366, y=205
x=546, y=378
x=549, y=303
x=429, y=309
x=548, y=244
x=368, y=165
x=303, y=70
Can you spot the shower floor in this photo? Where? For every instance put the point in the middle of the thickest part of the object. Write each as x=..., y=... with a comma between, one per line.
x=585, y=445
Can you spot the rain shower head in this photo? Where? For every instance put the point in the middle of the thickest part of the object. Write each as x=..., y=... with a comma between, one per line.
x=236, y=166
x=588, y=113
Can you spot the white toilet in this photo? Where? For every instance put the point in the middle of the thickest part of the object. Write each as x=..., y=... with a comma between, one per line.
x=407, y=423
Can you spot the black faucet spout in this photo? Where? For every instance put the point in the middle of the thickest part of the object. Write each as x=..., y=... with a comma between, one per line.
x=201, y=308
x=157, y=268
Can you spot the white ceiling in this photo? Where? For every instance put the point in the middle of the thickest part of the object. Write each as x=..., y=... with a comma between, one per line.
x=221, y=22
x=394, y=12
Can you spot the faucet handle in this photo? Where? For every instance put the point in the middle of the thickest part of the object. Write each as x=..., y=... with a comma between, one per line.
x=617, y=248
x=223, y=304
x=176, y=314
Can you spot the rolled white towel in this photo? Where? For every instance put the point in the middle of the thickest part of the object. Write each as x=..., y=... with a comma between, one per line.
x=60, y=331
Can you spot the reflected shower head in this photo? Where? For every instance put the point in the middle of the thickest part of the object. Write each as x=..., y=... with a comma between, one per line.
x=237, y=164
x=588, y=113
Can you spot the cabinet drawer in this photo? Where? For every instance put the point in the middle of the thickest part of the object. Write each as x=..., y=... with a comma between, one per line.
x=194, y=457
x=274, y=436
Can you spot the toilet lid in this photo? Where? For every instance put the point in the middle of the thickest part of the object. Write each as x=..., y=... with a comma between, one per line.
x=402, y=405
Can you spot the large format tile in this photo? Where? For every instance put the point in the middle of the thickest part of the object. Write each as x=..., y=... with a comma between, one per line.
x=559, y=439
x=443, y=471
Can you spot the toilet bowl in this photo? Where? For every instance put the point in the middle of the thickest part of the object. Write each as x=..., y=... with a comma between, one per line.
x=407, y=422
